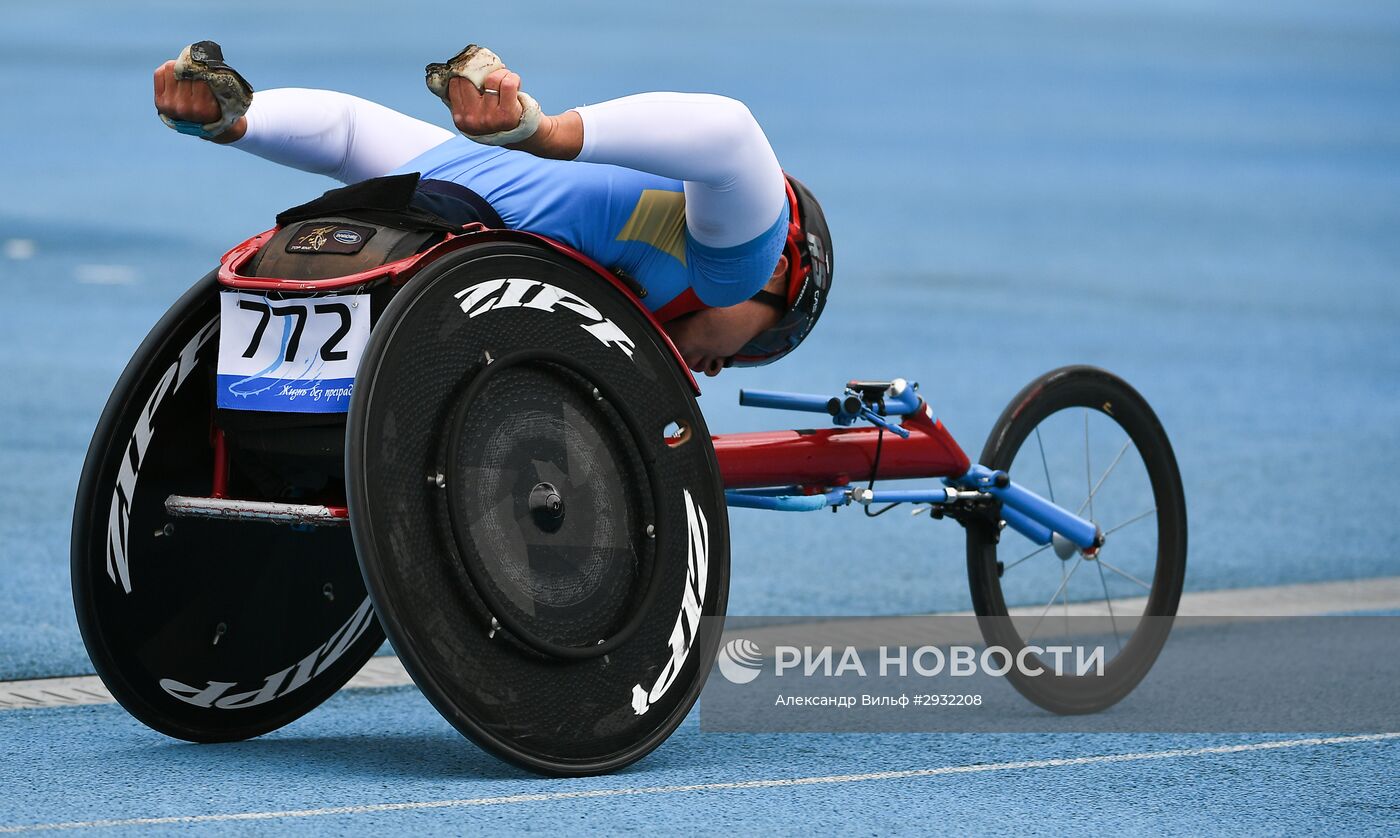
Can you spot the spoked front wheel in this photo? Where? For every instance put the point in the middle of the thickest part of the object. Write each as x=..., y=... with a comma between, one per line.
x=1084, y=439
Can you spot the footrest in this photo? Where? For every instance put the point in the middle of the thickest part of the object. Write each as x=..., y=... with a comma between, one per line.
x=268, y=512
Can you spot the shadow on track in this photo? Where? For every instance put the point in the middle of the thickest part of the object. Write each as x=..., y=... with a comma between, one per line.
x=380, y=755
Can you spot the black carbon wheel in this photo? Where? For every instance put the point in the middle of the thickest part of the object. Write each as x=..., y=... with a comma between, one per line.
x=1083, y=438
x=204, y=630
x=545, y=561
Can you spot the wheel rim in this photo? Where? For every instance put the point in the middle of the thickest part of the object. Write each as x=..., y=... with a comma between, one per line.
x=1086, y=439
x=228, y=630
x=544, y=693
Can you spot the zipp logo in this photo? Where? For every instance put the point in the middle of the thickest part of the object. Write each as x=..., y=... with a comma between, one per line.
x=497, y=294
x=216, y=693
x=118, y=519
x=688, y=620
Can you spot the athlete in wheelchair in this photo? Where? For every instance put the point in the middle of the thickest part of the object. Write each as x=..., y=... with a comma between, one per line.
x=689, y=200
x=450, y=402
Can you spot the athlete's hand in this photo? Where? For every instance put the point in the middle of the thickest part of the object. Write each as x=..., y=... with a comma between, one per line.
x=191, y=101
x=497, y=108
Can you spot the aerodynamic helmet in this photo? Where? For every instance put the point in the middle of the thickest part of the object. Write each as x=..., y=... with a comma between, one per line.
x=808, y=250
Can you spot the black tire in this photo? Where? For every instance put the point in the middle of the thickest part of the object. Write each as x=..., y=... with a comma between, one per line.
x=532, y=635
x=149, y=618
x=1054, y=403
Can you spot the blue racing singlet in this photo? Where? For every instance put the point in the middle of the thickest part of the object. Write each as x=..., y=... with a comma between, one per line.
x=623, y=219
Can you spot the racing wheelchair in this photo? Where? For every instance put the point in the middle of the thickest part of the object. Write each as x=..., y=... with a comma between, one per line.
x=480, y=443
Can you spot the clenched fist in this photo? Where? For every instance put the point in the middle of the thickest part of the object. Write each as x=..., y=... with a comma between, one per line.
x=191, y=101
x=494, y=109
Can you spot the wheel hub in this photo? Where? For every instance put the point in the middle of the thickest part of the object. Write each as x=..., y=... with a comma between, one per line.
x=547, y=507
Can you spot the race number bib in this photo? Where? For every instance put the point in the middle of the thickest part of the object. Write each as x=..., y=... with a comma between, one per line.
x=296, y=356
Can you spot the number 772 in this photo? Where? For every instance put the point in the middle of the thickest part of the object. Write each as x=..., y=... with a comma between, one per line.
x=299, y=311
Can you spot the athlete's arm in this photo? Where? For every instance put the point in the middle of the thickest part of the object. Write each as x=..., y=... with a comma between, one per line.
x=733, y=184
x=320, y=131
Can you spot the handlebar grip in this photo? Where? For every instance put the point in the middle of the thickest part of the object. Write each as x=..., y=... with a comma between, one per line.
x=778, y=400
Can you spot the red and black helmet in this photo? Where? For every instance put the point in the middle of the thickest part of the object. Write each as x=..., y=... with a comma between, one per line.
x=809, y=280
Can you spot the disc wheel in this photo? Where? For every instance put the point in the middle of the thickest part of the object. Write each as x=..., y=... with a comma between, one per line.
x=204, y=630
x=551, y=567
x=1086, y=440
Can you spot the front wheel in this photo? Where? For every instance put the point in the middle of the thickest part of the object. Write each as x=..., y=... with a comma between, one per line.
x=1086, y=440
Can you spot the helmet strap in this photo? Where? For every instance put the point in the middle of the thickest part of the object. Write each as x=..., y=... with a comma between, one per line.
x=777, y=301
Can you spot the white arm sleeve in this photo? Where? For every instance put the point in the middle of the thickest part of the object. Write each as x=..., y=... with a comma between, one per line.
x=734, y=187
x=328, y=133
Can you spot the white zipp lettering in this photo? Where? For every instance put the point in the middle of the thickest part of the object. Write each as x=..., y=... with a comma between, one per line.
x=497, y=294
x=688, y=620
x=194, y=695
x=118, y=517
x=279, y=683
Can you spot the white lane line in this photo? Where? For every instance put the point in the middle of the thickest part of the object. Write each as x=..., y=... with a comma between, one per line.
x=1274, y=745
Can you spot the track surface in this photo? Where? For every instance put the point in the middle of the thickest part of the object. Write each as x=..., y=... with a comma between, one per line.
x=1201, y=197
